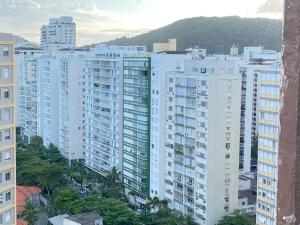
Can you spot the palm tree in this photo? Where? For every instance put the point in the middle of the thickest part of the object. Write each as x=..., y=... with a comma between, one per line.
x=154, y=204
x=113, y=177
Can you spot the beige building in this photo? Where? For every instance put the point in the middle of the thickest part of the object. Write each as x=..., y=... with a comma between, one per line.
x=268, y=140
x=161, y=47
x=7, y=132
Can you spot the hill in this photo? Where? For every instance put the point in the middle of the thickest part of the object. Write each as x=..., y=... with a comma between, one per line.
x=216, y=34
x=17, y=39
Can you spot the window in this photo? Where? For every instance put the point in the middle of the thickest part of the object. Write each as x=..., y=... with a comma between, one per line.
x=6, y=93
x=6, y=116
x=5, y=52
x=5, y=73
x=7, y=176
x=7, y=155
x=203, y=70
x=7, y=135
x=8, y=196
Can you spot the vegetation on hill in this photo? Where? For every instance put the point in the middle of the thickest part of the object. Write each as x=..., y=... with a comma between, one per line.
x=216, y=34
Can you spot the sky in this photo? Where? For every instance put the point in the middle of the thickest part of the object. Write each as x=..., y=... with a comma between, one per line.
x=102, y=20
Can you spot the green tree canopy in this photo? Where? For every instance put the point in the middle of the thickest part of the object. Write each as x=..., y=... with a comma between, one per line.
x=236, y=218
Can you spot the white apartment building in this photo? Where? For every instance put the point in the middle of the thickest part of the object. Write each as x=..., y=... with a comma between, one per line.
x=268, y=140
x=161, y=63
x=71, y=105
x=60, y=106
x=202, y=124
x=7, y=133
x=59, y=33
x=26, y=90
x=48, y=101
x=103, y=103
x=254, y=60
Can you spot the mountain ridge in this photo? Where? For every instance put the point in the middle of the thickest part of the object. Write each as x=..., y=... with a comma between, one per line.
x=216, y=34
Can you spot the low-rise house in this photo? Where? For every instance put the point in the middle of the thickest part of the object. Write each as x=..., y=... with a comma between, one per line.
x=80, y=219
x=25, y=193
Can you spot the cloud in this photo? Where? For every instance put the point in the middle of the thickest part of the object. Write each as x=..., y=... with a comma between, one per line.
x=271, y=6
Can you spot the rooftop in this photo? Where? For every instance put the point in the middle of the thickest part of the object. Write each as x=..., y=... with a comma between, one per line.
x=21, y=222
x=85, y=218
x=23, y=193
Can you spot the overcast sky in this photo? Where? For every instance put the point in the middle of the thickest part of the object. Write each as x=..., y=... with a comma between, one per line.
x=101, y=20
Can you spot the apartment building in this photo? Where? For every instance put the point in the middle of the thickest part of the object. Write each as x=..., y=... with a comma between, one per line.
x=7, y=132
x=161, y=64
x=26, y=90
x=60, y=101
x=71, y=105
x=48, y=101
x=268, y=140
x=136, y=124
x=254, y=60
x=58, y=33
x=202, y=138
x=103, y=103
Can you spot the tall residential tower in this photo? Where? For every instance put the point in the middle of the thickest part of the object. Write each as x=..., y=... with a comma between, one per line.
x=7, y=132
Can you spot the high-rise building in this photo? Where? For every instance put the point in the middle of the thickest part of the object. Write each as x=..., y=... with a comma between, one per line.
x=255, y=59
x=161, y=64
x=7, y=132
x=103, y=103
x=26, y=90
x=60, y=97
x=268, y=141
x=71, y=105
x=202, y=124
x=58, y=33
x=48, y=101
x=136, y=125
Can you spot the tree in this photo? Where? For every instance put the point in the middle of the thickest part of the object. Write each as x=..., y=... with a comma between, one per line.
x=113, y=177
x=64, y=199
x=155, y=204
x=37, y=142
x=30, y=215
x=235, y=218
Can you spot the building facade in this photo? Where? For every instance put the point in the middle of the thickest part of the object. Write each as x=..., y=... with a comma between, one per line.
x=7, y=133
x=60, y=32
x=254, y=60
x=268, y=141
x=103, y=106
x=202, y=139
x=161, y=64
x=27, y=90
x=136, y=124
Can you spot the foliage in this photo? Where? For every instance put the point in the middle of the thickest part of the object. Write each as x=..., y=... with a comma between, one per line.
x=166, y=217
x=30, y=215
x=46, y=167
x=236, y=218
x=205, y=32
x=64, y=198
x=40, y=166
x=113, y=211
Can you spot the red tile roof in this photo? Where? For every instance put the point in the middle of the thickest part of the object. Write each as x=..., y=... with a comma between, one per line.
x=23, y=193
x=21, y=222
